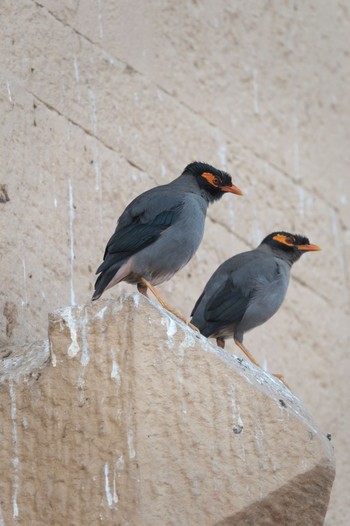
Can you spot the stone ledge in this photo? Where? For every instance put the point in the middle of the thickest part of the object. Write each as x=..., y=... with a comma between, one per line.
x=138, y=420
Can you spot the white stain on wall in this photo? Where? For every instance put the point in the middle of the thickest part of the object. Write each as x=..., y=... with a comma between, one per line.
x=74, y=348
x=25, y=293
x=111, y=494
x=15, y=459
x=256, y=91
x=85, y=354
x=171, y=329
x=9, y=94
x=131, y=448
x=222, y=149
x=115, y=374
x=71, y=240
x=2, y=522
x=92, y=96
x=100, y=21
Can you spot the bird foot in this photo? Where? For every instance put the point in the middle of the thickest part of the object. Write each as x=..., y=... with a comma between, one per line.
x=181, y=317
x=252, y=359
x=142, y=287
x=280, y=377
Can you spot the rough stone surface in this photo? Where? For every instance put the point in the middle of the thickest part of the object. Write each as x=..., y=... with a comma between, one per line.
x=138, y=420
x=101, y=100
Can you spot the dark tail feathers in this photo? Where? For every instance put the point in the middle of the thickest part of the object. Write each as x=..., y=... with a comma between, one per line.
x=104, y=279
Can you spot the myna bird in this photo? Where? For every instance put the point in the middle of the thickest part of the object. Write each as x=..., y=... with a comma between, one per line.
x=160, y=230
x=248, y=289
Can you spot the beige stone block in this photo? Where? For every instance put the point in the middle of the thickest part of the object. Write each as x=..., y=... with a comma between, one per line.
x=139, y=420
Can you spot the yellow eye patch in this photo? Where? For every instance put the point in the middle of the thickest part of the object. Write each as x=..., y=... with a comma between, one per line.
x=285, y=240
x=211, y=178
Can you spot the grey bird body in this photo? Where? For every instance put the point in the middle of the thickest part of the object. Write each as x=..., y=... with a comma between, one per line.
x=160, y=230
x=249, y=288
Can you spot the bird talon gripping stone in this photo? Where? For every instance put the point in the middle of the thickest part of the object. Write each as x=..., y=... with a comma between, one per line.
x=193, y=327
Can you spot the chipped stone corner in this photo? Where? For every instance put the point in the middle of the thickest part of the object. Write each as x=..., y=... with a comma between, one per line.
x=21, y=363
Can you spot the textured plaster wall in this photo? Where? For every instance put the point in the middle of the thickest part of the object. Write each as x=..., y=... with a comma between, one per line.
x=101, y=100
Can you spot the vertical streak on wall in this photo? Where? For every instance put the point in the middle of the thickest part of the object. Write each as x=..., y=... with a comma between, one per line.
x=100, y=25
x=2, y=522
x=256, y=92
x=98, y=186
x=25, y=293
x=71, y=240
x=15, y=460
x=9, y=91
x=296, y=150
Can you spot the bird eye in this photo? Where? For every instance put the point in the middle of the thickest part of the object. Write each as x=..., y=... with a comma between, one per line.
x=216, y=180
x=290, y=240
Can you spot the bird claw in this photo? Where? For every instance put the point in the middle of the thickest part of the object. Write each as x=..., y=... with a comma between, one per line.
x=193, y=327
x=280, y=377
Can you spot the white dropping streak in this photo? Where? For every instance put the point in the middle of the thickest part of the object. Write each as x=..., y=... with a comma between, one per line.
x=92, y=96
x=131, y=448
x=85, y=354
x=98, y=183
x=98, y=176
x=71, y=240
x=2, y=522
x=115, y=374
x=222, y=149
x=107, y=488
x=296, y=161
x=77, y=76
x=256, y=92
x=236, y=413
x=100, y=19
x=74, y=348
x=9, y=91
x=163, y=170
x=296, y=151
x=120, y=463
x=170, y=329
x=337, y=238
x=265, y=365
x=101, y=312
x=76, y=69
x=111, y=499
x=25, y=299
x=301, y=200
x=15, y=460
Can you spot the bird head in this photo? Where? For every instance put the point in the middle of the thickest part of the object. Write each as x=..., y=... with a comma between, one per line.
x=214, y=182
x=292, y=246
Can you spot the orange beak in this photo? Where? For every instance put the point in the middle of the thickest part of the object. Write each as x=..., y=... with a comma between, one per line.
x=308, y=248
x=232, y=189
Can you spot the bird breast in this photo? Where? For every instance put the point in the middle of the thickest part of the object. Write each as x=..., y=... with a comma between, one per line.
x=175, y=246
x=266, y=301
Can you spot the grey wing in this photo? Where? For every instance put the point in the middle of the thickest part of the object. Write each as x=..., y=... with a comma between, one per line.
x=141, y=224
x=244, y=276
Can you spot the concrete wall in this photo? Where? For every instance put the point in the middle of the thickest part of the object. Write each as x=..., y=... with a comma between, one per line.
x=104, y=99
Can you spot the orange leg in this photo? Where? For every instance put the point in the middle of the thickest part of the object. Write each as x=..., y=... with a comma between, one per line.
x=253, y=360
x=142, y=287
